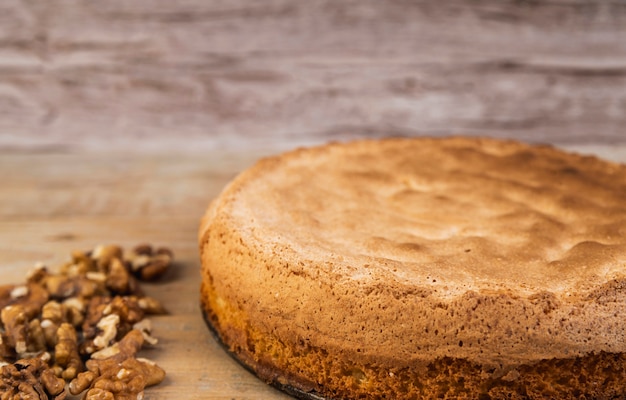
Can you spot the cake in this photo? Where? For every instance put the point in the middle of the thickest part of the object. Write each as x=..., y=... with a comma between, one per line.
x=423, y=268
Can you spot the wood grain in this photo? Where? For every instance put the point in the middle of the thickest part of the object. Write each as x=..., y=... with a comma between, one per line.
x=229, y=74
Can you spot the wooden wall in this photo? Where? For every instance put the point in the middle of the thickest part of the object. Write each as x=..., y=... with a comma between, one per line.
x=196, y=74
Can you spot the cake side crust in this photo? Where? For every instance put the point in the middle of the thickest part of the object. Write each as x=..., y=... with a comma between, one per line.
x=312, y=372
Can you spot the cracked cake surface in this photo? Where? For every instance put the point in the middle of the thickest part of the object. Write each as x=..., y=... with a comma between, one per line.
x=391, y=268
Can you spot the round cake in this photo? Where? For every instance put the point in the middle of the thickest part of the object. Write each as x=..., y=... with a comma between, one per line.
x=423, y=268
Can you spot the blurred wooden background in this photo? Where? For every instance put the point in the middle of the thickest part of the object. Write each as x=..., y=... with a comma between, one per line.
x=195, y=75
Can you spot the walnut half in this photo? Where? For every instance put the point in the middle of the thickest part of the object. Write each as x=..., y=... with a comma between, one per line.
x=31, y=379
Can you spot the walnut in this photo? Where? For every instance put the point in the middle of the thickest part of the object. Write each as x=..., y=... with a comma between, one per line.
x=101, y=394
x=126, y=307
x=54, y=313
x=116, y=373
x=5, y=295
x=73, y=280
x=148, y=264
x=53, y=310
x=32, y=303
x=37, y=274
x=151, y=306
x=7, y=352
x=19, y=291
x=36, y=338
x=119, y=280
x=109, y=319
x=130, y=344
x=145, y=327
x=61, y=286
x=49, y=330
x=66, y=352
x=15, y=324
x=93, y=315
x=82, y=382
x=20, y=335
x=30, y=379
x=126, y=380
x=98, y=277
x=91, y=285
x=108, y=331
x=80, y=264
x=74, y=311
x=31, y=297
x=104, y=254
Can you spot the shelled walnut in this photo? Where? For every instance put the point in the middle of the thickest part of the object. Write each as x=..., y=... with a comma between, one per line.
x=31, y=379
x=149, y=264
x=81, y=326
x=115, y=372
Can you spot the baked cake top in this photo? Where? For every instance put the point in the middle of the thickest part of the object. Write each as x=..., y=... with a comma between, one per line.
x=454, y=215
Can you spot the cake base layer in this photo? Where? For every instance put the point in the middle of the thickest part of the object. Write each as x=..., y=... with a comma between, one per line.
x=290, y=390
x=599, y=376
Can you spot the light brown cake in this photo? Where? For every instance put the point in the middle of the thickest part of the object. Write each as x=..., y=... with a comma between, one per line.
x=423, y=268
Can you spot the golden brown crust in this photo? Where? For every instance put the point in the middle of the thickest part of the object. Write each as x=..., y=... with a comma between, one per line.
x=399, y=252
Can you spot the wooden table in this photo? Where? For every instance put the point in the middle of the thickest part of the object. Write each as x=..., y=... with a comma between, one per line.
x=52, y=203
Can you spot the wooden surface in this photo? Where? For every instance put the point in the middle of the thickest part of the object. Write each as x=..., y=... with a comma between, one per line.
x=121, y=120
x=53, y=203
x=214, y=74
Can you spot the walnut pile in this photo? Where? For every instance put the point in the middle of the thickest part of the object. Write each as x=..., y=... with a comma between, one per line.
x=79, y=330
